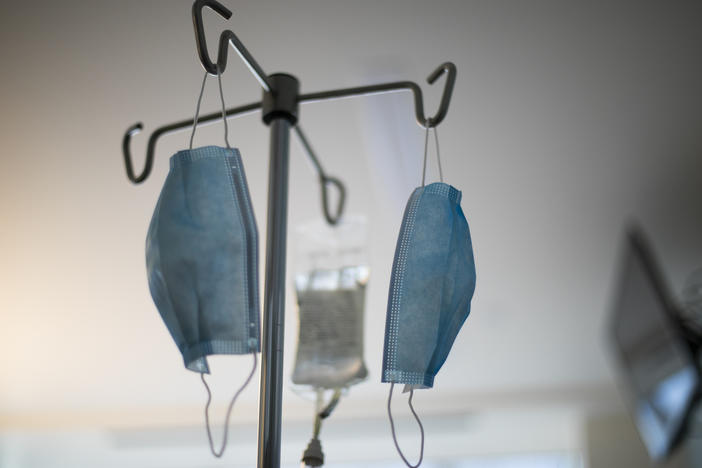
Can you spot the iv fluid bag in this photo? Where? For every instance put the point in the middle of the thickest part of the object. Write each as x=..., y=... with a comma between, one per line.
x=330, y=285
x=330, y=344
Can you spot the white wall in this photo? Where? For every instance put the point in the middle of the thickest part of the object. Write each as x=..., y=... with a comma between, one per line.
x=567, y=118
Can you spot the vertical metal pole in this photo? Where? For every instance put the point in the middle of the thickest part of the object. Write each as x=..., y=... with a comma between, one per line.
x=270, y=400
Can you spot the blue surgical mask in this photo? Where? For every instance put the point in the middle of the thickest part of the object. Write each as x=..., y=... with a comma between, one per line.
x=202, y=258
x=431, y=287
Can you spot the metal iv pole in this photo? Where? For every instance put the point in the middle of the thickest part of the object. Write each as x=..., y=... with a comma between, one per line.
x=279, y=109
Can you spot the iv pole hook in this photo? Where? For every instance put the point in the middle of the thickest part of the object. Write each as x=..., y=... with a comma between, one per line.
x=225, y=38
x=200, y=39
x=450, y=69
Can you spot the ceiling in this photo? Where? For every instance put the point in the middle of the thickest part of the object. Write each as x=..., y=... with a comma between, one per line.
x=566, y=121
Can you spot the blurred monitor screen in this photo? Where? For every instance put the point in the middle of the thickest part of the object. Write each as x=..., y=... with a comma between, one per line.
x=658, y=364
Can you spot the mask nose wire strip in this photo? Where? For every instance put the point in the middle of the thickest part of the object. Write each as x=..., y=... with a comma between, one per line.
x=219, y=453
x=224, y=112
x=392, y=429
x=438, y=155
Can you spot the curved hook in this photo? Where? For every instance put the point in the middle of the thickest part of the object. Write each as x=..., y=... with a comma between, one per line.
x=133, y=130
x=170, y=128
x=450, y=69
x=324, y=182
x=225, y=39
x=200, y=39
x=447, y=68
x=332, y=218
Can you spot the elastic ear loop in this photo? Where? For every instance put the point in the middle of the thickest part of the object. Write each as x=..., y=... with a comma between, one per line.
x=224, y=112
x=438, y=155
x=392, y=428
x=229, y=410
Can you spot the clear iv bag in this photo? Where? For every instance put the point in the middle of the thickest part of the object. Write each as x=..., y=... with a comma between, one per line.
x=331, y=274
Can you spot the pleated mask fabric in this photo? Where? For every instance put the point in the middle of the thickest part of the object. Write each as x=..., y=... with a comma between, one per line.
x=431, y=286
x=202, y=254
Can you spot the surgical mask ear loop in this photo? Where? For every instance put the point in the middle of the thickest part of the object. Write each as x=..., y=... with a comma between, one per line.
x=392, y=429
x=219, y=453
x=224, y=112
x=438, y=155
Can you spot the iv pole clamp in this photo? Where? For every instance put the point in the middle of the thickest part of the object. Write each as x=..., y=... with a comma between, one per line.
x=279, y=109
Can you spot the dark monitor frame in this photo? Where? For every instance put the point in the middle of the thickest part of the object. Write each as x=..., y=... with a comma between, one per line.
x=637, y=244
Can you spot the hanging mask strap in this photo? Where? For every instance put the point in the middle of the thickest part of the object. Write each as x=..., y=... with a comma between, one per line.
x=219, y=453
x=224, y=112
x=438, y=156
x=392, y=428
